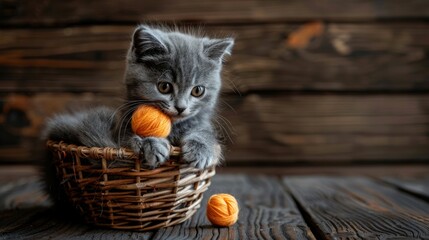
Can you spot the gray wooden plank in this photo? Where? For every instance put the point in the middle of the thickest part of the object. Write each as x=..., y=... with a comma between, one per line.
x=23, y=193
x=416, y=185
x=45, y=223
x=25, y=214
x=359, y=208
x=266, y=212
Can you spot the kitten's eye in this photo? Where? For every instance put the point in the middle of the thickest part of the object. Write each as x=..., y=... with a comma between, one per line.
x=198, y=91
x=165, y=87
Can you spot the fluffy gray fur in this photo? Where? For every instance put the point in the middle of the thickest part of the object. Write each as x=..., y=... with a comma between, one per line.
x=158, y=55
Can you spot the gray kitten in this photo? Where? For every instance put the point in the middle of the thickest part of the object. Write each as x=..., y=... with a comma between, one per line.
x=178, y=73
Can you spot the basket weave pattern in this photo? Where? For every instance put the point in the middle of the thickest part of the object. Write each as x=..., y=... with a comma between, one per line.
x=130, y=197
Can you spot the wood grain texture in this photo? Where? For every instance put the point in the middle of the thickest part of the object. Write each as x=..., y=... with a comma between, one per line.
x=13, y=173
x=416, y=185
x=26, y=213
x=266, y=212
x=23, y=193
x=22, y=118
x=329, y=128
x=313, y=56
x=358, y=208
x=48, y=223
x=265, y=129
x=403, y=169
x=50, y=12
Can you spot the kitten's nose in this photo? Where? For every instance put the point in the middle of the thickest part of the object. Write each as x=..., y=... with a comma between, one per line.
x=179, y=109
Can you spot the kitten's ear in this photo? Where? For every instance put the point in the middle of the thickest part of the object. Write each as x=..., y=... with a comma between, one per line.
x=147, y=43
x=215, y=49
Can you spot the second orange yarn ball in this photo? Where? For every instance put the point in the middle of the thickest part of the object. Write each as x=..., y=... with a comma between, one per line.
x=222, y=210
x=149, y=121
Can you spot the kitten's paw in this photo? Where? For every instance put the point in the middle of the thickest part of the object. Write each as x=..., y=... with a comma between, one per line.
x=154, y=151
x=199, y=154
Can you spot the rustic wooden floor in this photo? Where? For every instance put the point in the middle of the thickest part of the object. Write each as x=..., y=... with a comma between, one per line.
x=298, y=207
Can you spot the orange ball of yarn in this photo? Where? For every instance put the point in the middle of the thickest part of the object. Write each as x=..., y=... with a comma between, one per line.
x=149, y=121
x=222, y=210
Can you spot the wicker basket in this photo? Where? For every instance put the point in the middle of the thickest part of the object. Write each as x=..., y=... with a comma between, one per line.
x=129, y=197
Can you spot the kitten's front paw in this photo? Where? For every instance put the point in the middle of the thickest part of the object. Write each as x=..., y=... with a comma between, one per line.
x=154, y=151
x=199, y=155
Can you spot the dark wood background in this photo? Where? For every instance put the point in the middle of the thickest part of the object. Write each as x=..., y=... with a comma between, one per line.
x=309, y=83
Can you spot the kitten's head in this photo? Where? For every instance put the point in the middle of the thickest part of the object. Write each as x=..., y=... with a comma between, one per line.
x=177, y=72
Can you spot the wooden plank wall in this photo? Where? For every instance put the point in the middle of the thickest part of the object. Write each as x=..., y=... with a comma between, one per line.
x=309, y=82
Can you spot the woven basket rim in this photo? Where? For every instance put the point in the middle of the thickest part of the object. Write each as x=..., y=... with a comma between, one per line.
x=98, y=153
